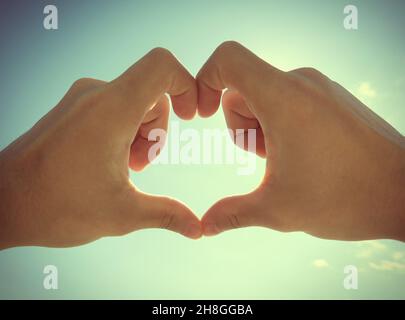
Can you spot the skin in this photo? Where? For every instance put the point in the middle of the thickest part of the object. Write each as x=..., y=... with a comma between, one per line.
x=334, y=169
x=66, y=181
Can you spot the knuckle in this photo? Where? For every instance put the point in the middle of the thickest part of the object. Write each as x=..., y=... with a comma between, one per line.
x=162, y=59
x=167, y=221
x=81, y=83
x=168, y=217
x=161, y=54
x=297, y=86
x=84, y=92
x=306, y=90
x=298, y=83
x=311, y=76
x=88, y=101
x=308, y=72
x=228, y=47
x=234, y=221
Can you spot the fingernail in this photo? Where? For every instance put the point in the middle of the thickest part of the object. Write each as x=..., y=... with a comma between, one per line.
x=210, y=229
x=193, y=231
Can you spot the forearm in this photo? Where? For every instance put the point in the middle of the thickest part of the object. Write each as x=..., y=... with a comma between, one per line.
x=397, y=204
x=13, y=202
x=6, y=211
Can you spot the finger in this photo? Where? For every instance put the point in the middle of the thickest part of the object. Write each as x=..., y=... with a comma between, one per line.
x=233, y=66
x=240, y=119
x=233, y=212
x=156, y=118
x=157, y=73
x=166, y=213
x=208, y=100
x=147, y=211
x=142, y=85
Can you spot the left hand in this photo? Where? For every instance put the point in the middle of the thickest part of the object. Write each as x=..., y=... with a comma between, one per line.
x=66, y=182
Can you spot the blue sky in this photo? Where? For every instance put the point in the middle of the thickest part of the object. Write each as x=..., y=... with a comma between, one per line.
x=101, y=39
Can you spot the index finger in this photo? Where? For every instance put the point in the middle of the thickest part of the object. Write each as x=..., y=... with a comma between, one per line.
x=140, y=87
x=234, y=67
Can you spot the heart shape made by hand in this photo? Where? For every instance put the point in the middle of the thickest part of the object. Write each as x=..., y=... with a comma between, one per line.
x=324, y=151
x=295, y=115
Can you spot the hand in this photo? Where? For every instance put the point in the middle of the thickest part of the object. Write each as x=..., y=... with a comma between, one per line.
x=65, y=182
x=334, y=169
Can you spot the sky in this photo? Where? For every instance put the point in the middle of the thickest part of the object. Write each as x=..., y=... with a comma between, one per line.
x=100, y=39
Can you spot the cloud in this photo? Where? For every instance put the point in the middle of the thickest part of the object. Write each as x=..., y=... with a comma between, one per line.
x=386, y=265
x=398, y=256
x=369, y=248
x=320, y=263
x=381, y=257
x=366, y=91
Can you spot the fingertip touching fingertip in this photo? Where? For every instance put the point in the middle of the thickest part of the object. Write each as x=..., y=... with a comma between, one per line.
x=193, y=231
x=210, y=229
x=185, y=115
x=205, y=113
x=184, y=109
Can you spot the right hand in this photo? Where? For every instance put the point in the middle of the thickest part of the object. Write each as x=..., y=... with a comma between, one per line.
x=334, y=169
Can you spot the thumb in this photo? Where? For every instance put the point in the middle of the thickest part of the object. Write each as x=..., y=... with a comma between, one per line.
x=166, y=213
x=231, y=213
